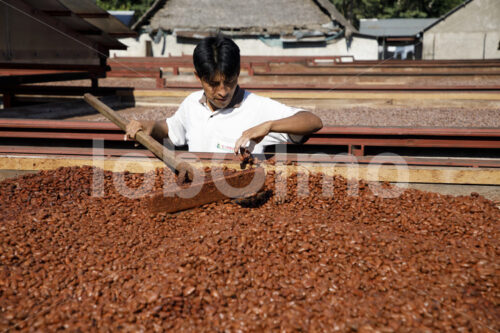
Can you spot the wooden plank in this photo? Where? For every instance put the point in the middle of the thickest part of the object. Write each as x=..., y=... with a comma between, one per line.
x=11, y=80
x=389, y=173
x=337, y=95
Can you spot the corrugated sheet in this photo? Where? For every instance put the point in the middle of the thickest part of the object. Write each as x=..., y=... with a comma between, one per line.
x=58, y=32
x=394, y=27
x=93, y=14
x=124, y=16
x=82, y=6
x=83, y=16
x=46, y=5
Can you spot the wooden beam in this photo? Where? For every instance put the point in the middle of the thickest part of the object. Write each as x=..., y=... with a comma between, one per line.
x=339, y=95
x=13, y=80
x=93, y=15
x=58, y=12
x=386, y=173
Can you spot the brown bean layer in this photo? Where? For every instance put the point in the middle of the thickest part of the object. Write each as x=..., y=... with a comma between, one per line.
x=300, y=261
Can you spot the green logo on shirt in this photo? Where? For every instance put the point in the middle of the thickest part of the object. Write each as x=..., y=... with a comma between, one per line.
x=224, y=147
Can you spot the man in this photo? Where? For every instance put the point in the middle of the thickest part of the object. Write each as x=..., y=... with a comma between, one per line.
x=223, y=117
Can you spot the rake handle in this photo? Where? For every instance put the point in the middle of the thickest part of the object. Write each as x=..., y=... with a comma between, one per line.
x=167, y=156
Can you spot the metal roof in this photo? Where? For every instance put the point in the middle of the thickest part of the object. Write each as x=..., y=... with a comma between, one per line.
x=58, y=32
x=394, y=27
x=124, y=16
x=85, y=17
x=90, y=12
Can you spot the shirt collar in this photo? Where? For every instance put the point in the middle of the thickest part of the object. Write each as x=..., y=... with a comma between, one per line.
x=238, y=96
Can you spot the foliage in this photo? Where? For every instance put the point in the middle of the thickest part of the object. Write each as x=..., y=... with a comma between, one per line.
x=139, y=6
x=353, y=10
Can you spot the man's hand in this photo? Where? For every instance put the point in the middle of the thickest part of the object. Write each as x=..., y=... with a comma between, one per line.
x=300, y=124
x=185, y=173
x=256, y=134
x=135, y=126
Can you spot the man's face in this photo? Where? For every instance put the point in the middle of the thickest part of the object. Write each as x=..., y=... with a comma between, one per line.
x=219, y=90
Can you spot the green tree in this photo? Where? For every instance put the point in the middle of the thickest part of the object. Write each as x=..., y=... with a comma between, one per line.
x=353, y=10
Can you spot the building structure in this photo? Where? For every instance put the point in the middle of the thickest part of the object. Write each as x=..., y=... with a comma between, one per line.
x=398, y=38
x=273, y=27
x=47, y=40
x=470, y=31
x=58, y=32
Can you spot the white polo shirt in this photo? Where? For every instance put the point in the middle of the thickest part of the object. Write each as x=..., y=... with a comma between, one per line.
x=204, y=130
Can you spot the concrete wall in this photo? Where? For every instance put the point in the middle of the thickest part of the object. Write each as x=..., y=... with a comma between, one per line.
x=360, y=48
x=472, y=32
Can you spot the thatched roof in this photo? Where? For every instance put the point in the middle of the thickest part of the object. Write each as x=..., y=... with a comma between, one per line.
x=244, y=16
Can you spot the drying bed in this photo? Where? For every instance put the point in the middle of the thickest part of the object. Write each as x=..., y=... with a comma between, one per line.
x=383, y=115
x=82, y=257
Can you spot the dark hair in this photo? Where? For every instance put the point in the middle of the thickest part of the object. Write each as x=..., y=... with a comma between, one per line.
x=216, y=55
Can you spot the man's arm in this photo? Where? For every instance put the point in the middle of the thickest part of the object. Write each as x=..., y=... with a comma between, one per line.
x=301, y=123
x=157, y=129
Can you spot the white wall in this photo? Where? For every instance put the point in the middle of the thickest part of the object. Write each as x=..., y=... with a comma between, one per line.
x=461, y=45
x=472, y=32
x=360, y=48
x=492, y=50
